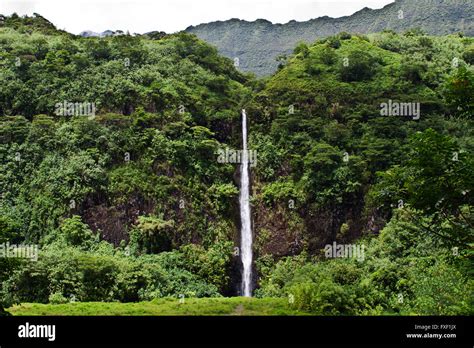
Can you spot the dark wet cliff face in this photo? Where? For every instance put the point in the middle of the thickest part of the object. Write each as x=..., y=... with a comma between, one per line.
x=284, y=230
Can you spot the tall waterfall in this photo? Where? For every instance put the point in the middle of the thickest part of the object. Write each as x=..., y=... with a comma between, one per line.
x=246, y=229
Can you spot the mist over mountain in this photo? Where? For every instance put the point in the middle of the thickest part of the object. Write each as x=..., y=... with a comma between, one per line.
x=89, y=33
x=257, y=44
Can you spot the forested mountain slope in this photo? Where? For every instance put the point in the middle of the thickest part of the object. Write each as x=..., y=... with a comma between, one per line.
x=144, y=161
x=257, y=44
x=335, y=166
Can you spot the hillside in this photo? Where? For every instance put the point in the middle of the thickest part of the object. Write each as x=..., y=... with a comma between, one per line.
x=257, y=44
x=110, y=166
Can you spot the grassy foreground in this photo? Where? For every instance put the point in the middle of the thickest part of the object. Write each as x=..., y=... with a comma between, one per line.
x=164, y=306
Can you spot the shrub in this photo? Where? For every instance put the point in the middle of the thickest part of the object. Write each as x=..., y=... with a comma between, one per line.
x=334, y=42
x=468, y=55
x=413, y=71
x=211, y=265
x=151, y=234
x=345, y=36
x=360, y=66
x=57, y=298
x=327, y=55
x=283, y=272
x=77, y=233
x=301, y=48
x=439, y=290
x=322, y=298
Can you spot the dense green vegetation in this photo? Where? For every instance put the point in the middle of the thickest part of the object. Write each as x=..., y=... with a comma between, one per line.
x=131, y=204
x=142, y=173
x=332, y=167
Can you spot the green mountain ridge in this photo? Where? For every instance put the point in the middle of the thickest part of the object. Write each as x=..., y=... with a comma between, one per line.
x=257, y=44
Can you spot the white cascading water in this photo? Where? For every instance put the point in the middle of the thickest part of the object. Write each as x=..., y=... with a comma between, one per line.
x=246, y=229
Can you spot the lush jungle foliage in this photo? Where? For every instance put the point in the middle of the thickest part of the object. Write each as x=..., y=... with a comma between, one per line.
x=131, y=204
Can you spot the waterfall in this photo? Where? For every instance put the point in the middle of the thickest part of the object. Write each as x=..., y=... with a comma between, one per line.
x=246, y=229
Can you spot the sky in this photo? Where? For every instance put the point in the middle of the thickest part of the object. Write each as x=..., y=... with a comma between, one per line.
x=141, y=16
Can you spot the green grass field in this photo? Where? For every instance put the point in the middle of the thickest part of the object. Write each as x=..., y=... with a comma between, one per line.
x=164, y=306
